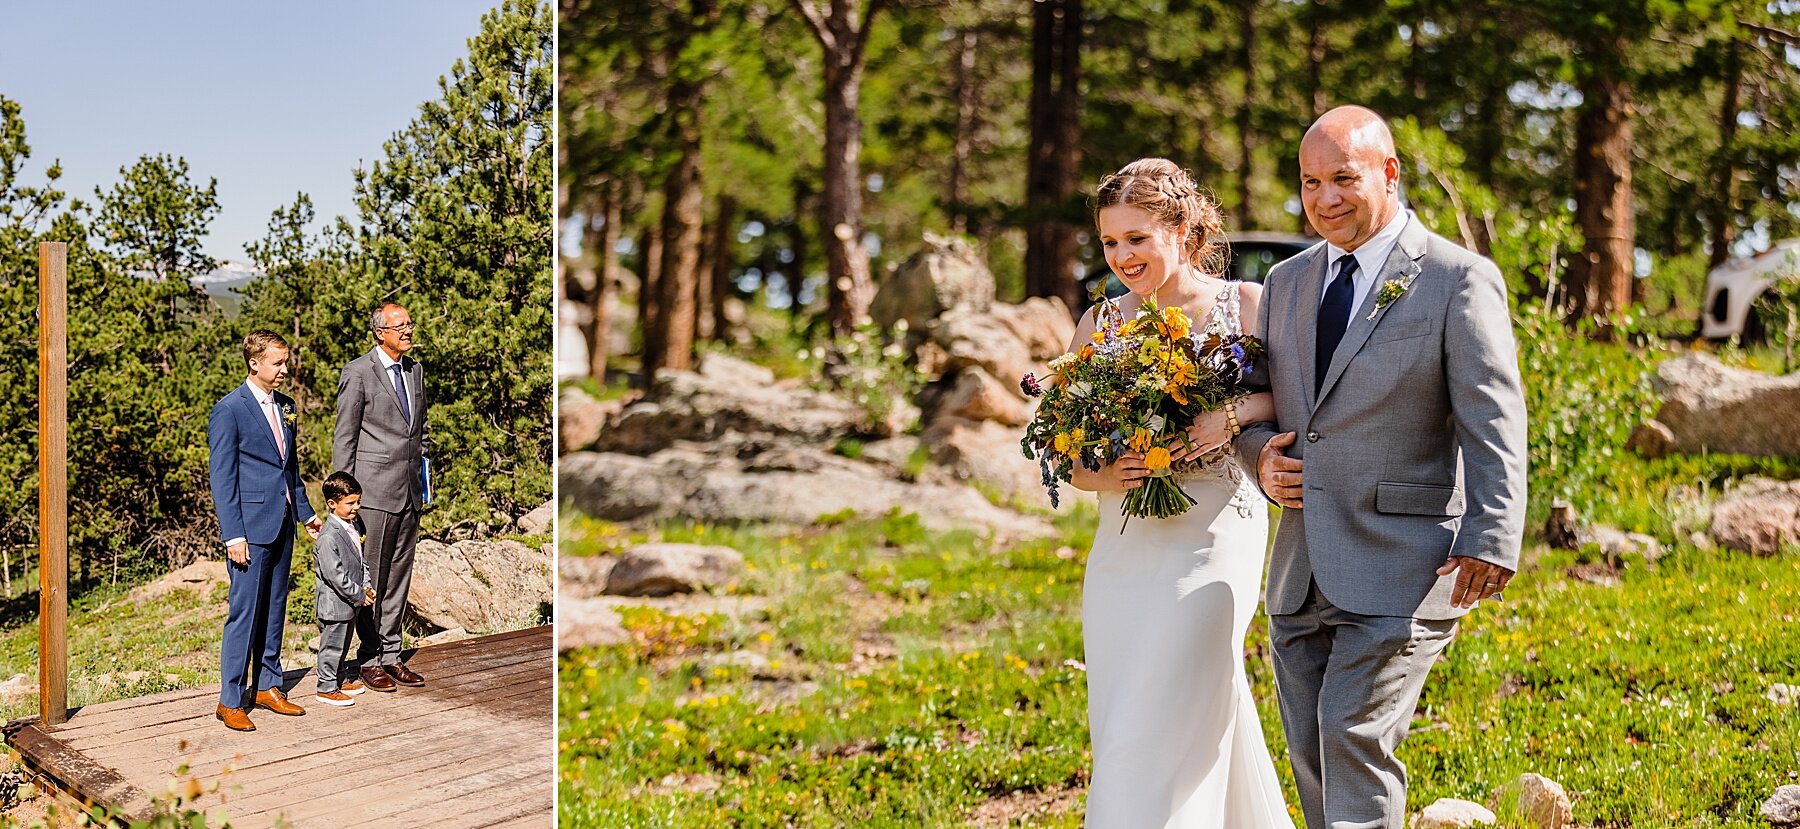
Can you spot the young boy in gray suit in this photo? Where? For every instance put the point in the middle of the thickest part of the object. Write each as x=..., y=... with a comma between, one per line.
x=343, y=586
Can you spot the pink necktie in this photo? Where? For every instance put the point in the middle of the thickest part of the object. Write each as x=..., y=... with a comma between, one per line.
x=275, y=425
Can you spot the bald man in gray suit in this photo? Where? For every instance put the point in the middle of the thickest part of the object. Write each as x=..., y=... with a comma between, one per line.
x=1398, y=453
x=379, y=440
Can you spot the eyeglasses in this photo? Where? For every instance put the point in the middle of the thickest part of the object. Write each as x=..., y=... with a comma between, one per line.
x=406, y=328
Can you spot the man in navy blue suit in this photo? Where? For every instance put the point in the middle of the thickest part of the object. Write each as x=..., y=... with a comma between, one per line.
x=258, y=496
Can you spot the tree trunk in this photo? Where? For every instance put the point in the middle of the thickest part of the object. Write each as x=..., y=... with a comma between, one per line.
x=962, y=146
x=1600, y=276
x=683, y=212
x=703, y=290
x=1724, y=203
x=718, y=282
x=849, y=288
x=649, y=306
x=1055, y=155
x=796, y=274
x=1246, y=124
x=1315, y=58
x=612, y=212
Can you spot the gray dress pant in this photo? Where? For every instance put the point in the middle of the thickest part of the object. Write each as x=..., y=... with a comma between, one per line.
x=334, y=641
x=1348, y=684
x=388, y=551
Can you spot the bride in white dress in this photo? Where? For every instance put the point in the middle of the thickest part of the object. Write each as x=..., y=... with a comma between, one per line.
x=1177, y=741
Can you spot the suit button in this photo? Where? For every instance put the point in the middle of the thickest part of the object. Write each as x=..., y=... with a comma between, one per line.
x=1312, y=437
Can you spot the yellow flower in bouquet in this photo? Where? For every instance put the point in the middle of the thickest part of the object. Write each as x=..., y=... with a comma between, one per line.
x=1141, y=440
x=1175, y=322
x=1137, y=387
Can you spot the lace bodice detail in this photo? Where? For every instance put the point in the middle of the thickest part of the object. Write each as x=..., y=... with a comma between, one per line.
x=1225, y=319
x=1226, y=316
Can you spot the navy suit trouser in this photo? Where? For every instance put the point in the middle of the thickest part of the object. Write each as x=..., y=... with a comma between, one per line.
x=250, y=658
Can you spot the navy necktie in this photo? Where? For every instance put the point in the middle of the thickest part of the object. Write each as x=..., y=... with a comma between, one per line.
x=1334, y=317
x=400, y=389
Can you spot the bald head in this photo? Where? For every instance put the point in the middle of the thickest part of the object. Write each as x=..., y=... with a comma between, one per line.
x=1349, y=176
x=1352, y=127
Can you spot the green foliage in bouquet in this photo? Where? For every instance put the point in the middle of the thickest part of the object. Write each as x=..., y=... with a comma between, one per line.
x=1136, y=388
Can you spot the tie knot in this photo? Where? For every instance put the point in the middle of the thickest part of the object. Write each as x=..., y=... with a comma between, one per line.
x=1347, y=264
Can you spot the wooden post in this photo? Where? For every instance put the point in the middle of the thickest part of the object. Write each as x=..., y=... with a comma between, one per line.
x=53, y=481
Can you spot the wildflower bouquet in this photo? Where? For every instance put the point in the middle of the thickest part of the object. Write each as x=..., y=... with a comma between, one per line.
x=1137, y=387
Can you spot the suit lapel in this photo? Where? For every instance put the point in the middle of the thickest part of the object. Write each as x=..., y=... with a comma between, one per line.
x=1306, y=316
x=1401, y=264
x=386, y=379
x=255, y=411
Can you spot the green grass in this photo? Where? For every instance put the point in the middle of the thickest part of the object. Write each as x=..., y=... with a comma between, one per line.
x=913, y=675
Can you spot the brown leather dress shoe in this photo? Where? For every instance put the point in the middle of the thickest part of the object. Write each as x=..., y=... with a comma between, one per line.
x=274, y=700
x=403, y=674
x=235, y=719
x=375, y=678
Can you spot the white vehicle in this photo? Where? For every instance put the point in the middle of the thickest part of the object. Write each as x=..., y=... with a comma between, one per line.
x=1732, y=288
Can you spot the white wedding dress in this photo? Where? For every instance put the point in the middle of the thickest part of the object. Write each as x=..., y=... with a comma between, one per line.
x=1177, y=741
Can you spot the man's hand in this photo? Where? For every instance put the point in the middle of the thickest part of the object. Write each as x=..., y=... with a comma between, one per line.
x=1476, y=580
x=239, y=553
x=313, y=527
x=1279, y=474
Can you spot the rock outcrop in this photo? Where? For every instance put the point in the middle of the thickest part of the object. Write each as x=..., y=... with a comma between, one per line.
x=1711, y=407
x=479, y=586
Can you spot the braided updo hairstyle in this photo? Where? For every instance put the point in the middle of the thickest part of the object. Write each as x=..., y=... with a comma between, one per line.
x=1161, y=187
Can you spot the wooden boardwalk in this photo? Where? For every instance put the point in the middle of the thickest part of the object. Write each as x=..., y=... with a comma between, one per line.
x=474, y=747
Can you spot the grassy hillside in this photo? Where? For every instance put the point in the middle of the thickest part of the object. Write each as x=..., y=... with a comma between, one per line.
x=908, y=678
x=921, y=679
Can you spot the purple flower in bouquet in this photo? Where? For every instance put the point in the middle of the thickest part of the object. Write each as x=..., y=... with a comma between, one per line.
x=1029, y=385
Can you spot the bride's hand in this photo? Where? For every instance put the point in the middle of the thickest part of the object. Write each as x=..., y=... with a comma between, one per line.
x=1208, y=432
x=1123, y=475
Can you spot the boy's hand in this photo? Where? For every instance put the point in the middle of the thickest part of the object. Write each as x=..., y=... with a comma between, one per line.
x=368, y=596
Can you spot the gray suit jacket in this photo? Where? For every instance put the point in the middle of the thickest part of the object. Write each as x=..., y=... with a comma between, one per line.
x=341, y=574
x=1415, y=446
x=372, y=441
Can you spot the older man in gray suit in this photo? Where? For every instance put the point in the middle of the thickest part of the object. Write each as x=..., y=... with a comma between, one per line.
x=1398, y=452
x=381, y=406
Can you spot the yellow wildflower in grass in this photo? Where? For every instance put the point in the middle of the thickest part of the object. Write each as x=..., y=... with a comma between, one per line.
x=1176, y=322
x=1156, y=459
x=1140, y=440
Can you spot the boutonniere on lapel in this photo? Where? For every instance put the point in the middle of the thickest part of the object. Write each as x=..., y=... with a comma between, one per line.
x=287, y=414
x=1390, y=291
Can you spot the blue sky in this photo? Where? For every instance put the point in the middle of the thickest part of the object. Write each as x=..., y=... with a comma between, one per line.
x=271, y=99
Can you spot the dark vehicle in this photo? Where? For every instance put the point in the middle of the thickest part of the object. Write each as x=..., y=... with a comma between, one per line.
x=1253, y=253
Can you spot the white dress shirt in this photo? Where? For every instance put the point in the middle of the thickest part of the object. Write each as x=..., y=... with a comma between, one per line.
x=1371, y=257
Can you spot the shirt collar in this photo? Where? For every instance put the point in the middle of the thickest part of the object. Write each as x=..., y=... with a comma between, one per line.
x=1373, y=254
x=387, y=363
x=346, y=525
x=263, y=398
